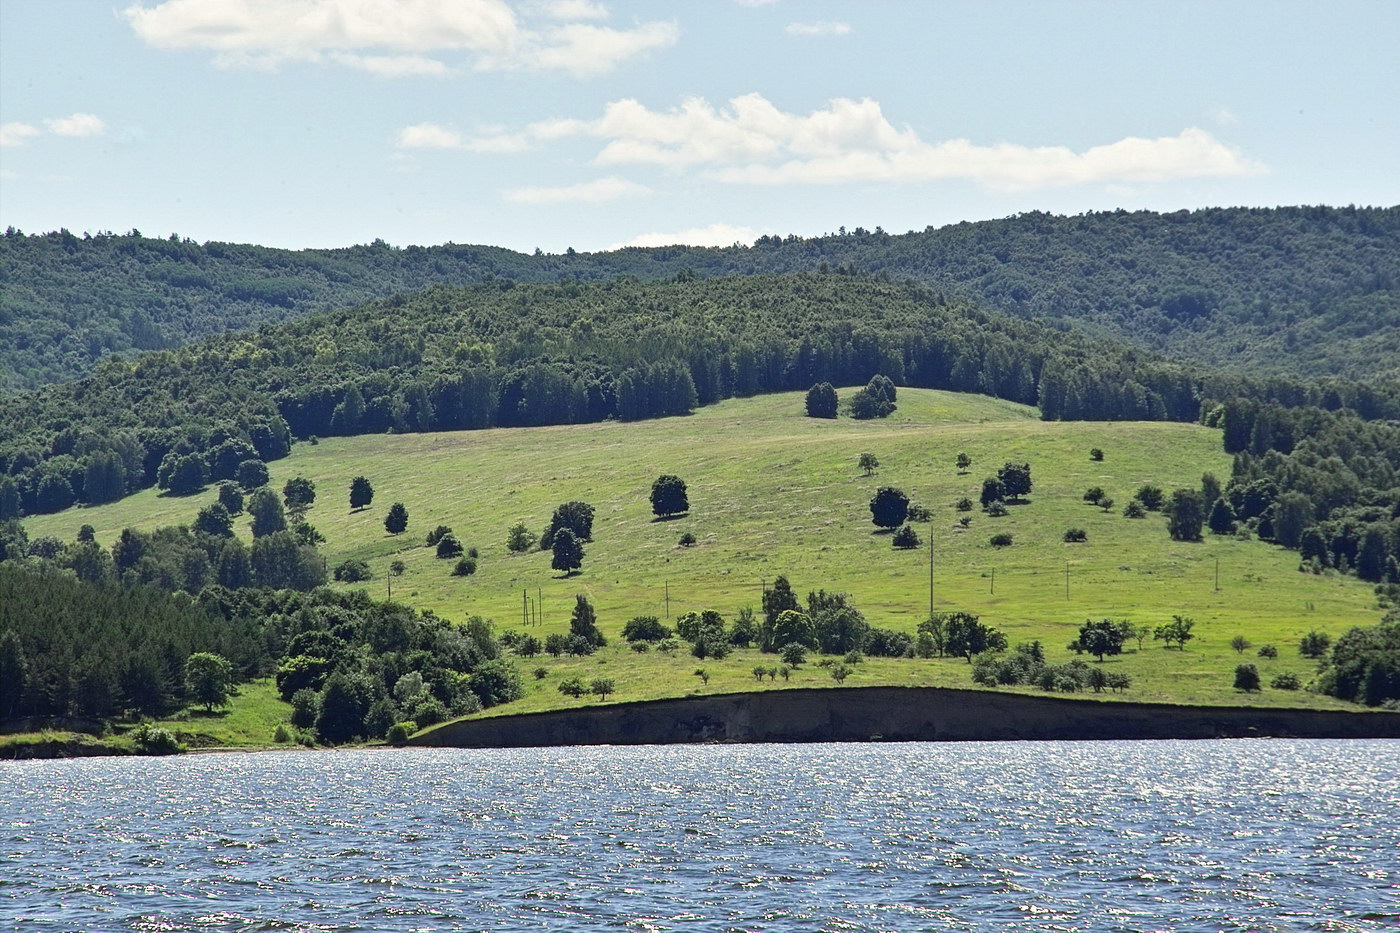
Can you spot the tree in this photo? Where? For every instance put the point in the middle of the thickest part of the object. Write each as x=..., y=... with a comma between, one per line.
x=351, y=570
x=821, y=401
x=9, y=499
x=1222, y=518
x=793, y=654
x=576, y=516
x=186, y=475
x=1314, y=644
x=645, y=628
x=1371, y=556
x=344, y=705
x=583, y=622
x=214, y=520
x=396, y=521
x=905, y=538
x=298, y=493
x=361, y=493
x=1106, y=503
x=448, y=547
x=572, y=687
x=568, y=552
x=1093, y=494
x=602, y=686
x=1134, y=509
x=14, y=674
x=1015, y=480
x=251, y=474
x=793, y=627
x=208, y=679
x=1151, y=497
x=668, y=496
x=1247, y=678
x=889, y=507
x=1293, y=513
x=1177, y=631
x=869, y=463
x=1102, y=638
x=265, y=510
x=519, y=538
x=231, y=497
x=777, y=599
x=839, y=673
x=992, y=491
x=1240, y=644
x=1185, y=515
x=963, y=461
x=965, y=634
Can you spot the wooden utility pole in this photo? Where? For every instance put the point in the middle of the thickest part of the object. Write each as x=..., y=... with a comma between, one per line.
x=668, y=600
x=1066, y=579
x=1217, y=575
x=994, y=581
x=930, y=573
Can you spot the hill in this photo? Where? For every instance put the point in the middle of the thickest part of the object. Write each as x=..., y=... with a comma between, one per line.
x=1301, y=290
x=773, y=493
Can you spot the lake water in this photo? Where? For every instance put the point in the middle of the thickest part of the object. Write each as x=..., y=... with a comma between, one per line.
x=1222, y=835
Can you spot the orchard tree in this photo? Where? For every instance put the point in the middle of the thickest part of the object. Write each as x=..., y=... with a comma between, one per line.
x=668, y=496
x=889, y=507
x=396, y=522
x=821, y=401
x=361, y=493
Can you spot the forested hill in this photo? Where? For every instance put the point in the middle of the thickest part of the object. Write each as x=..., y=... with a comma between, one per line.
x=1304, y=291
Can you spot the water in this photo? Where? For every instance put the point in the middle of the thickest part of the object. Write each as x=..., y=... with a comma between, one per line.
x=1229, y=835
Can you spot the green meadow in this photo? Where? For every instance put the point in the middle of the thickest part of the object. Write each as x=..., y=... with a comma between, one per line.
x=773, y=492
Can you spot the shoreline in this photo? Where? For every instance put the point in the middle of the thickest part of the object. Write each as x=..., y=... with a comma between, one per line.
x=896, y=714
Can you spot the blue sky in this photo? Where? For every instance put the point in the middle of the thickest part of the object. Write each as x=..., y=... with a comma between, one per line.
x=557, y=123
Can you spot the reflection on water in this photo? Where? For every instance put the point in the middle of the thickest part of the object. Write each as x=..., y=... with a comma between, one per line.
x=1228, y=835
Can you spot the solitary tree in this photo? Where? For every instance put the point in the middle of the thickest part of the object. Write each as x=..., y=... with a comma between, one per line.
x=964, y=461
x=1240, y=644
x=1015, y=479
x=568, y=552
x=1101, y=638
x=668, y=496
x=869, y=463
x=583, y=622
x=1247, y=678
x=821, y=401
x=519, y=538
x=1185, y=515
x=889, y=507
x=1177, y=631
x=361, y=493
x=602, y=686
x=396, y=522
x=208, y=679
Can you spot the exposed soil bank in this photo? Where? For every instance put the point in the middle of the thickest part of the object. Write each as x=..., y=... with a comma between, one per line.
x=895, y=714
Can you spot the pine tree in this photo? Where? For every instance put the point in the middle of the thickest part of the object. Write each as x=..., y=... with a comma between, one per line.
x=396, y=522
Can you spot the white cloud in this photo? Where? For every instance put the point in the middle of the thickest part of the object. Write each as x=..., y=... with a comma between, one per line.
x=393, y=38
x=822, y=28
x=79, y=124
x=575, y=9
x=17, y=134
x=1223, y=116
x=713, y=235
x=437, y=136
x=589, y=192
x=750, y=141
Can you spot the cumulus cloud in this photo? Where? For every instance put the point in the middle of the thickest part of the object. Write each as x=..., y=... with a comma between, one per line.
x=77, y=124
x=437, y=136
x=821, y=28
x=713, y=235
x=751, y=141
x=589, y=192
x=395, y=38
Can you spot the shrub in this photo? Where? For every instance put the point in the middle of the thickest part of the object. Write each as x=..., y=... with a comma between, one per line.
x=1240, y=644
x=964, y=504
x=573, y=687
x=1093, y=494
x=793, y=654
x=448, y=546
x=465, y=567
x=1151, y=497
x=1268, y=651
x=917, y=513
x=1314, y=644
x=399, y=732
x=351, y=571
x=429, y=712
x=1095, y=454
x=540, y=673
x=641, y=647
x=437, y=534
x=1074, y=535
x=155, y=741
x=839, y=672
x=520, y=538
x=996, y=509
x=1286, y=681
x=645, y=628
x=1134, y=509
x=965, y=521
x=905, y=538
x=1247, y=678
x=306, y=703
x=1003, y=539
x=282, y=734
x=687, y=540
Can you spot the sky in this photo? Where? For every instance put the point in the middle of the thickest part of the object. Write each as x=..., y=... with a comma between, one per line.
x=595, y=124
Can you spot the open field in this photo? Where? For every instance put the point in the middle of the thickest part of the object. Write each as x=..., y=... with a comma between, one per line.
x=775, y=493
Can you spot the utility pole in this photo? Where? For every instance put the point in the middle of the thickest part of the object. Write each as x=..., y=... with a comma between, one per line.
x=930, y=573
x=1066, y=579
x=1217, y=575
x=994, y=581
x=539, y=605
x=668, y=600
x=524, y=608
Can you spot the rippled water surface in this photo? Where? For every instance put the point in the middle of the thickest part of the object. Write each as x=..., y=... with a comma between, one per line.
x=1230, y=835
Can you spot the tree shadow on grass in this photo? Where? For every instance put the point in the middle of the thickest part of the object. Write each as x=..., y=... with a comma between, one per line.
x=670, y=518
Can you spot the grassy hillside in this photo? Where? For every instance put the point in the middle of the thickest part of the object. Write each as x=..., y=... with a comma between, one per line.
x=775, y=493
x=1301, y=290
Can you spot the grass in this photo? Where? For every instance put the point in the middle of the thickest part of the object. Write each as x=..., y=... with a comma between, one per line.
x=250, y=720
x=773, y=493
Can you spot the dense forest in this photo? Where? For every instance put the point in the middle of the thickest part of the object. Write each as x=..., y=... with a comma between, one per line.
x=510, y=355
x=1304, y=291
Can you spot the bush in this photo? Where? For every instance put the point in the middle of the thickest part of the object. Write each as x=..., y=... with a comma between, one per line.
x=1134, y=509
x=399, y=732
x=306, y=703
x=464, y=567
x=1076, y=535
x=1151, y=497
x=1095, y=454
x=996, y=509
x=154, y=741
x=1240, y=644
x=917, y=513
x=1268, y=651
x=437, y=534
x=645, y=628
x=1286, y=681
x=351, y=571
x=1002, y=539
x=540, y=673
x=573, y=687
x=641, y=647
x=794, y=654
x=1093, y=494
x=687, y=540
x=905, y=538
x=1247, y=678
x=964, y=504
x=448, y=546
x=282, y=734
x=519, y=538
x=1314, y=644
